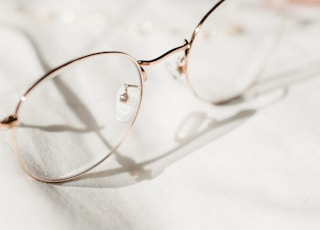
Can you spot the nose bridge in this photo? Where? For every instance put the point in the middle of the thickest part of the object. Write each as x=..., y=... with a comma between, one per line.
x=167, y=54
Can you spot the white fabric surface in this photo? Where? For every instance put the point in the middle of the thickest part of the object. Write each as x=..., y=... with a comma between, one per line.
x=254, y=166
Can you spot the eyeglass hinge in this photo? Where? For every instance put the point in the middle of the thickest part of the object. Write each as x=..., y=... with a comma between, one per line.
x=9, y=122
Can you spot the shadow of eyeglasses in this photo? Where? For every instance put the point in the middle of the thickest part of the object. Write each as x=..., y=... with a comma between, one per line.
x=214, y=130
x=149, y=169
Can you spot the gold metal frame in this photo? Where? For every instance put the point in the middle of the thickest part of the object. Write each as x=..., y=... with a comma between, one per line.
x=183, y=68
x=11, y=122
x=53, y=73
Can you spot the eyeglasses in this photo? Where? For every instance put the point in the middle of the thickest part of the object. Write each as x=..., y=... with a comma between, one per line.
x=93, y=101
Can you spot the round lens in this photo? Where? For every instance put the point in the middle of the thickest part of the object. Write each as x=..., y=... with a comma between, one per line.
x=78, y=115
x=233, y=47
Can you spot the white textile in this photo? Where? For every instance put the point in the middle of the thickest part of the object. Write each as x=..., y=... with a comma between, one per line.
x=255, y=165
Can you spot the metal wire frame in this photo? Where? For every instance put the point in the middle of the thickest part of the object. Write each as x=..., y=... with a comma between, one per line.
x=12, y=121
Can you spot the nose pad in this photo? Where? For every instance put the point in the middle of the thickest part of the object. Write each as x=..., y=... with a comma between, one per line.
x=178, y=70
x=182, y=65
x=128, y=98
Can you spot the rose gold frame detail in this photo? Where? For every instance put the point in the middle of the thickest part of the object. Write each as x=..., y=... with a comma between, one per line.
x=185, y=60
x=12, y=121
x=54, y=73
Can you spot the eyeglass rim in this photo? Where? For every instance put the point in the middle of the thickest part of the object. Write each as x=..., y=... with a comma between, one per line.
x=55, y=73
x=11, y=121
x=268, y=58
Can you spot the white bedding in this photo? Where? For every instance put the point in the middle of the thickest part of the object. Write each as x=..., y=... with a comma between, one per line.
x=255, y=165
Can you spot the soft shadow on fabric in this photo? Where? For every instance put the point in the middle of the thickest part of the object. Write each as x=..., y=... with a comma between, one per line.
x=263, y=94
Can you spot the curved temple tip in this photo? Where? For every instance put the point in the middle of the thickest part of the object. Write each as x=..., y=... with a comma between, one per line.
x=9, y=122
